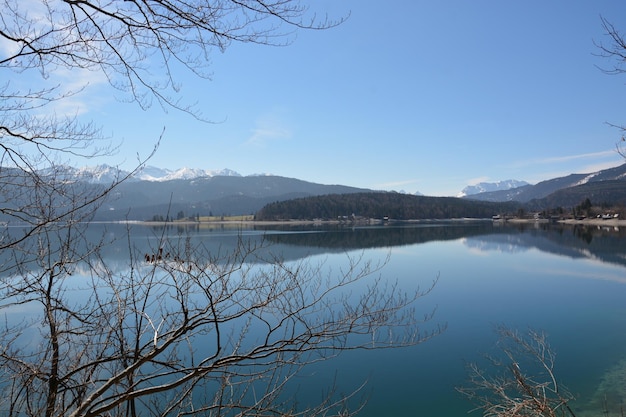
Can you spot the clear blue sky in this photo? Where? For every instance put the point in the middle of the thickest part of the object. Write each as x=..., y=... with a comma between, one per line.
x=409, y=95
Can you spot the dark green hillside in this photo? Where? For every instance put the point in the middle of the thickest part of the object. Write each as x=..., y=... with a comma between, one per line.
x=602, y=192
x=378, y=205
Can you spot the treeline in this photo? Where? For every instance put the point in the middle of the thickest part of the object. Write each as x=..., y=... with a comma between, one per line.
x=379, y=205
x=601, y=193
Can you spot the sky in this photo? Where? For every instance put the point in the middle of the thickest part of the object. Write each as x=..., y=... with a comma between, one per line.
x=405, y=95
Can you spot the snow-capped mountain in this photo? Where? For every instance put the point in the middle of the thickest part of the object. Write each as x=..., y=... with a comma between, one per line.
x=150, y=173
x=106, y=174
x=99, y=174
x=567, y=191
x=484, y=187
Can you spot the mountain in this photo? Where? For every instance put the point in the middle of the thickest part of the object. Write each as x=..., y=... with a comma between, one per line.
x=106, y=174
x=604, y=186
x=155, y=192
x=99, y=174
x=485, y=187
x=158, y=192
x=604, y=193
x=217, y=195
x=150, y=173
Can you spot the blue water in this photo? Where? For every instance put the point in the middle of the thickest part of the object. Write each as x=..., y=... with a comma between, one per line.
x=578, y=300
x=570, y=283
x=580, y=303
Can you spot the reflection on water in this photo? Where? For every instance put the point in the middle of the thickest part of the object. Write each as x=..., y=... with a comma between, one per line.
x=606, y=244
x=542, y=276
x=365, y=237
x=577, y=241
x=297, y=242
x=547, y=277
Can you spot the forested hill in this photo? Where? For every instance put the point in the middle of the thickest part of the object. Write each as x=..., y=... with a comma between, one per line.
x=377, y=205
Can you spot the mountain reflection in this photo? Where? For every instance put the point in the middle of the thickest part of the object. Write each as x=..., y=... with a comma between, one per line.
x=576, y=241
x=297, y=242
x=367, y=237
x=607, y=244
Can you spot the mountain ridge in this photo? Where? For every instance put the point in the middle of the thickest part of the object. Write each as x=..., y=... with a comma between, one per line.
x=544, y=189
x=504, y=190
x=217, y=195
x=107, y=174
x=483, y=187
x=194, y=192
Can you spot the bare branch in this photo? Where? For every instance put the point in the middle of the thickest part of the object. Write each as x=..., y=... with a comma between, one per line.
x=615, y=52
x=521, y=379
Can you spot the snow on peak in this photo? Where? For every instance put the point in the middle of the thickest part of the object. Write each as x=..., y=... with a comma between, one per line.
x=150, y=173
x=106, y=174
x=97, y=174
x=187, y=174
x=484, y=187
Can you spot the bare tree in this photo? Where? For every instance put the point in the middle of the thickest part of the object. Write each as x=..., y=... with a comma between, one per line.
x=520, y=380
x=615, y=52
x=127, y=40
x=135, y=46
x=184, y=331
x=181, y=331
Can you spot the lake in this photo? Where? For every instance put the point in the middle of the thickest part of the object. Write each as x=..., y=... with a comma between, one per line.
x=569, y=281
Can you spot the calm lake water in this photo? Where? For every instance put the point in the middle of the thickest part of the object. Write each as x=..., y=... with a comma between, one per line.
x=567, y=281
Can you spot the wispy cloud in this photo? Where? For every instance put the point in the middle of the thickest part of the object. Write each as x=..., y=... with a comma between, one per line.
x=30, y=17
x=74, y=87
x=559, y=166
x=602, y=165
x=564, y=159
x=395, y=184
x=82, y=88
x=269, y=128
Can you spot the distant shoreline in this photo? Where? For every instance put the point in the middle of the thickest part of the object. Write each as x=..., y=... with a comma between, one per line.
x=589, y=221
x=596, y=222
x=298, y=222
